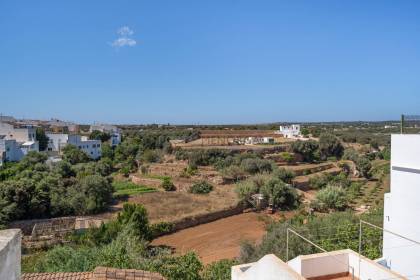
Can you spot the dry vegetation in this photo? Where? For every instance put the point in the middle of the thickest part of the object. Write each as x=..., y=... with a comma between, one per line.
x=171, y=206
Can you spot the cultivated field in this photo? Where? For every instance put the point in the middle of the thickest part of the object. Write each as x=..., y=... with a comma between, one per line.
x=217, y=240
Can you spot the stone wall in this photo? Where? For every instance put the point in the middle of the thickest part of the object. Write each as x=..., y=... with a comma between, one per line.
x=10, y=254
x=205, y=218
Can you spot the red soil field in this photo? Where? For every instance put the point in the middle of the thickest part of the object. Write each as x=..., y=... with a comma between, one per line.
x=217, y=240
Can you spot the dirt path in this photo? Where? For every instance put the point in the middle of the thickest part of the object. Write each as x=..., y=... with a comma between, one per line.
x=217, y=240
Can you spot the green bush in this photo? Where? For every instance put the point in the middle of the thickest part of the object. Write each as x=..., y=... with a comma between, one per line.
x=287, y=157
x=330, y=146
x=220, y=270
x=256, y=165
x=280, y=194
x=331, y=197
x=284, y=174
x=364, y=166
x=167, y=185
x=202, y=187
x=307, y=149
x=189, y=171
x=161, y=229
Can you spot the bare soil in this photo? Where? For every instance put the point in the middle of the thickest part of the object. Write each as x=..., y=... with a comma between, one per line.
x=217, y=240
x=172, y=206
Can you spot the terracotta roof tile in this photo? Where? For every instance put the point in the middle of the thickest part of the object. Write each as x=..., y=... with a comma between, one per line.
x=100, y=273
x=58, y=276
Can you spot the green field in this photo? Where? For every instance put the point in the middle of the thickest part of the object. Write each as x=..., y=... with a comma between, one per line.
x=123, y=188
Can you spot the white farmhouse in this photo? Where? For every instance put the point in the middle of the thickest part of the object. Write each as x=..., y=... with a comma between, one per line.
x=290, y=131
x=114, y=131
x=402, y=207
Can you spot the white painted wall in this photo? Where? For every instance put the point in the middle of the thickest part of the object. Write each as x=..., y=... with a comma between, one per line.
x=402, y=207
x=19, y=134
x=323, y=264
x=370, y=270
x=290, y=131
x=268, y=267
x=10, y=254
x=11, y=149
x=57, y=141
x=91, y=147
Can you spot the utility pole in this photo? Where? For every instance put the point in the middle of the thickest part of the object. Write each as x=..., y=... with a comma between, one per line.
x=402, y=124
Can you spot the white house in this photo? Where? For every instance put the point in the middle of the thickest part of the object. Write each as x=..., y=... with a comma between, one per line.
x=10, y=150
x=16, y=142
x=290, y=131
x=402, y=207
x=57, y=141
x=114, y=131
x=20, y=134
x=91, y=147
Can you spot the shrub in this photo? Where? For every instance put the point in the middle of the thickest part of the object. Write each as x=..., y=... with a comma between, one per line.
x=256, y=165
x=246, y=189
x=202, y=187
x=144, y=169
x=189, y=171
x=220, y=270
x=364, y=166
x=284, y=174
x=167, y=184
x=161, y=229
x=306, y=149
x=330, y=145
x=385, y=153
x=73, y=155
x=280, y=195
x=331, y=197
x=350, y=154
x=287, y=157
x=151, y=156
x=233, y=172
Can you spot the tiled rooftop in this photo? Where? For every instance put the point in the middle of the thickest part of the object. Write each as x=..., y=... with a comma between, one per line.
x=58, y=276
x=100, y=273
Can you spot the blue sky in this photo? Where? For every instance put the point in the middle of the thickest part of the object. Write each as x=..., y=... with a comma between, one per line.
x=209, y=61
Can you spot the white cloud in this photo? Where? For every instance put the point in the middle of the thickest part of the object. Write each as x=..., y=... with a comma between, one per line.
x=122, y=42
x=124, y=38
x=125, y=31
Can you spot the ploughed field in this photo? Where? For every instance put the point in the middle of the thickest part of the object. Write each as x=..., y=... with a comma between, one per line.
x=217, y=240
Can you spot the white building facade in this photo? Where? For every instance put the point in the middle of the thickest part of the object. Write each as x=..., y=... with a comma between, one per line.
x=57, y=141
x=91, y=147
x=402, y=207
x=290, y=131
x=15, y=143
x=10, y=150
